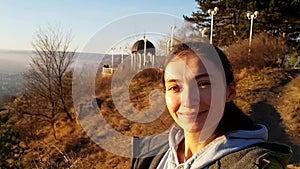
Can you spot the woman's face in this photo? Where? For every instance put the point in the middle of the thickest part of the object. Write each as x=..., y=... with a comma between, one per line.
x=188, y=92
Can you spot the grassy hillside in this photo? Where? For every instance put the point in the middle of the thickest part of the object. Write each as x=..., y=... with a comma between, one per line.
x=271, y=96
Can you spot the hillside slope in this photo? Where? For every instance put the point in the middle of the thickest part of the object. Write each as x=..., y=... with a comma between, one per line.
x=270, y=96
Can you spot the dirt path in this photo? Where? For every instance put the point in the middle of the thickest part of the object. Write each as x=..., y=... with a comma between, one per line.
x=272, y=97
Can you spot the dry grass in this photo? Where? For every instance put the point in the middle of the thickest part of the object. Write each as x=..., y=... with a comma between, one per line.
x=266, y=51
x=271, y=96
x=276, y=88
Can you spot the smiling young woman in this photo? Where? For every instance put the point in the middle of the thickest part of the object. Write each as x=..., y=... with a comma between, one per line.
x=210, y=131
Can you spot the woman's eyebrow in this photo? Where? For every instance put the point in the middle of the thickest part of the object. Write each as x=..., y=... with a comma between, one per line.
x=196, y=77
x=201, y=75
x=172, y=80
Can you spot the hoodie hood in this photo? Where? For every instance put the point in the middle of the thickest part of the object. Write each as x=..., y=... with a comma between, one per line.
x=218, y=148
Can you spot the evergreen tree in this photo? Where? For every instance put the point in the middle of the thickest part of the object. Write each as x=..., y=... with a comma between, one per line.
x=278, y=17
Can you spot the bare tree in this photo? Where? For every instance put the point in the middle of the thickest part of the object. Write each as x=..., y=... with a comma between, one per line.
x=48, y=84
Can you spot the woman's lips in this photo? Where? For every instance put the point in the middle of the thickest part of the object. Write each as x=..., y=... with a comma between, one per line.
x=203, y=112
x=188, y=115
x=191, y=115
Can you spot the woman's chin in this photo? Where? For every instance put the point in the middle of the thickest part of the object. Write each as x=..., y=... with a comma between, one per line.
x=191, y=127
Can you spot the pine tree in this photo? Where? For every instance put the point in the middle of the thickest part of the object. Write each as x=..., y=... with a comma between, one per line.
x=277, y=17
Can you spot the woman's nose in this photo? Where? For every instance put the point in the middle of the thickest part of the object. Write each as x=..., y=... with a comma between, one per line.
x=190, y=96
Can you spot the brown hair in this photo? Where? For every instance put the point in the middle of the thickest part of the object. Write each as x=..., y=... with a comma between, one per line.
x=233, y=117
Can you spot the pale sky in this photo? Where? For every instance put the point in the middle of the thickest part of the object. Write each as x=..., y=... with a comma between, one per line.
x=20, y=19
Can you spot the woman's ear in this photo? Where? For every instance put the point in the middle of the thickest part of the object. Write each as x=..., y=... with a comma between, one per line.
x=231, y=91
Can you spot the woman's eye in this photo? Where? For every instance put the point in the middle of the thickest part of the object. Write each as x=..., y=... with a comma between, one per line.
x=174, y=88
x=203, y=84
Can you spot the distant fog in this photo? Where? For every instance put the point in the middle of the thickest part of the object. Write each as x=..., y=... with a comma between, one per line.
x=14, y=61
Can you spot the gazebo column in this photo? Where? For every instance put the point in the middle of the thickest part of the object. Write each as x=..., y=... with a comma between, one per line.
x=131, y=61
x=153, y=60
x=140, y=61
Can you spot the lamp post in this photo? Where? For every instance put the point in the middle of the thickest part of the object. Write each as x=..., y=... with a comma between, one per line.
x=212, y=13
x=122, y=55
x=168, y=46
x=112, y=57
x=172, y=37
x=202, y=31
x=251, y=16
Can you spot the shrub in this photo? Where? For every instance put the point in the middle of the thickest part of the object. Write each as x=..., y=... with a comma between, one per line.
x=291, y=60
x=11, y=148
x=266, y=51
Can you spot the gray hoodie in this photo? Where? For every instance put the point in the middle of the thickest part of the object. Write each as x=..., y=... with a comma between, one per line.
x=218, y=148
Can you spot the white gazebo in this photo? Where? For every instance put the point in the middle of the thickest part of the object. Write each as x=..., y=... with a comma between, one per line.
x=142, y=54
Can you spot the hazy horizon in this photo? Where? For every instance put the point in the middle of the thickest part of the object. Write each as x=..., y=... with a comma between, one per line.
x=18, y=61
x=14, y=61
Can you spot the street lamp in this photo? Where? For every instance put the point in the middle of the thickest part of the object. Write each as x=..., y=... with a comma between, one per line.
x=212, y=13
x=112, y=57
x=251, y=16
x=202, y=31
x=168, y=46
x=172, y=37
x=122, y=54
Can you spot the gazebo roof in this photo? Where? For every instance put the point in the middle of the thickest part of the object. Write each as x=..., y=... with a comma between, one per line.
x=138, y=47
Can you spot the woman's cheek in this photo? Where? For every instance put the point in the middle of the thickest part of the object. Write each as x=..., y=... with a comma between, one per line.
x=205, y=97
x=171, y=103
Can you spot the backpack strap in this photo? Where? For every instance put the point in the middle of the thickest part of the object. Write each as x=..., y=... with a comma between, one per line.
x=147, y=162
x=258, y=156
x=148, y=159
